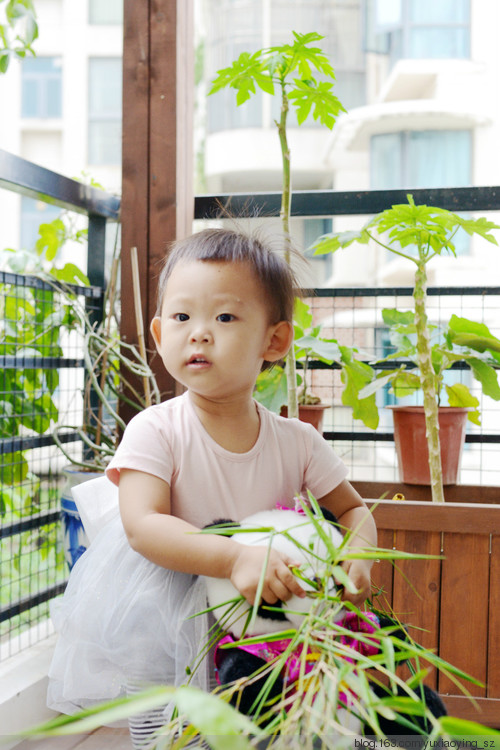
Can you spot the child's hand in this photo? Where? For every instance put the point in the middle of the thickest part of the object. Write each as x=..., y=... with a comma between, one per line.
x=359, y=573
x=279, y=582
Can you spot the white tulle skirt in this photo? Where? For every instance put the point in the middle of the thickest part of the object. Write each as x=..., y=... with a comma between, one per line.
x=124, y=621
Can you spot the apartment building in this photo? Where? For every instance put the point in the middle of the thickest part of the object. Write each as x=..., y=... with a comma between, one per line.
x=419, y=79
x=62, y=108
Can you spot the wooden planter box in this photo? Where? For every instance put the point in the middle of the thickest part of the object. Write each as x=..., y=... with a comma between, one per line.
x=455, y=493
x=455, y=602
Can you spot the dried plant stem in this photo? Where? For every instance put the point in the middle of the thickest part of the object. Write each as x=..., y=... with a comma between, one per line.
x=104, y=364
x=138, y=318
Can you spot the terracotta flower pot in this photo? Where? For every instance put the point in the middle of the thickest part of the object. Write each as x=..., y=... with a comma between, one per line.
x=311, y=413
x=411, y=442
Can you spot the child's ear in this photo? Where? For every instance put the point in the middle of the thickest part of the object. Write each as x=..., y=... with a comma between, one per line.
x=155, y=329
x=280, y=343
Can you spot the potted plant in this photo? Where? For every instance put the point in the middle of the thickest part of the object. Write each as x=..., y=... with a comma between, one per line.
x=419, y=234
x=111, y=367
x=115, y=371
x=461, y=341
x=289, y=69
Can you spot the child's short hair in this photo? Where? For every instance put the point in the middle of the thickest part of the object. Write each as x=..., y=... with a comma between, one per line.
x=234, y=246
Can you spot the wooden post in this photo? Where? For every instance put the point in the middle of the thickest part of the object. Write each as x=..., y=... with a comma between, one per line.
x=157, y=197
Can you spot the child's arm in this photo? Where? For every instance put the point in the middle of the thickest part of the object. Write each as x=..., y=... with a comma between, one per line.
x=175, y=544
x=352, y=513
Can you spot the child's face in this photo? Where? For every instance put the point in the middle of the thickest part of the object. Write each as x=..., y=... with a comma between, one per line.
x=214, y=331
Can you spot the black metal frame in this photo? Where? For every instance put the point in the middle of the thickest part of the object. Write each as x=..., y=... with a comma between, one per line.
x=345, y=203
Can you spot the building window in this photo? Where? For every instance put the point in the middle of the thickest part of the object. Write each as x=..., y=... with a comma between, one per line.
x=41, y=87
x=105, y=110
x=34, y=213
x=236, y=26
x=106, y=12
x=418, y=28
x=423, y=159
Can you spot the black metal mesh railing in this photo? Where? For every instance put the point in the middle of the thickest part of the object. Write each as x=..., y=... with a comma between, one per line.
x=41, y=383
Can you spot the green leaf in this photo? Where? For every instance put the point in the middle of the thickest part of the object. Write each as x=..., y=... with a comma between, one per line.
x=405, y=382
x=459, y=395
x=42, y=413
x=330, y=243
x=393, y=317
x=356, y=375
x=462, y=728
x=477, y=336
x=487, y=376
x=31, y=30
x=480, y=226
x=106, y=713
x=342, y=578
x=402, y=383
x=300, y=56
x=4, y=61
x=13, y=469
x=302, y=315
x=52, y=237
x=479, y=343
x=221, y=724
x=70, y=274
x=243, y=75
x=404, y=704
x=270, y=388
x=326, y=350
x=317, y=97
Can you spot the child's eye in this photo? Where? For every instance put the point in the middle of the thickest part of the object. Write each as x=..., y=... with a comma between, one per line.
x=225, y=318
x=180, y=317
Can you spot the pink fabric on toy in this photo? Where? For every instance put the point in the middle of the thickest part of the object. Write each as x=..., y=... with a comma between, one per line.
x=271, y=650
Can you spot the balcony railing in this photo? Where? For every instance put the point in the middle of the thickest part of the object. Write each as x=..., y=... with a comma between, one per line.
x=345, y=313
x=41, y=372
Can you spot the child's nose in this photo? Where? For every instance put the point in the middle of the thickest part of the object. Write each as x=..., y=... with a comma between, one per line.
x=201, y=334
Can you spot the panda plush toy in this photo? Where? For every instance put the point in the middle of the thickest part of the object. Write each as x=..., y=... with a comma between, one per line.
x=308, y=542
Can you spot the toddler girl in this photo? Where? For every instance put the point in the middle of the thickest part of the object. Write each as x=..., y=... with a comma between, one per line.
x=225, y=306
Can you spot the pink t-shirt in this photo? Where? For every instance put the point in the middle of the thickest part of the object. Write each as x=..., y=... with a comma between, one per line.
x=208, y=482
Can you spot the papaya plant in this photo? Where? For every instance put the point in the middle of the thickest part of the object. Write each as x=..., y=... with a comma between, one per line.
x=298, y=75
x=419, y=234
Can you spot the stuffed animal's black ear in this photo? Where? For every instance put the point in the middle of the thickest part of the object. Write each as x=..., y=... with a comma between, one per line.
x=330, y=517
x=397, y=628
x=225, y=523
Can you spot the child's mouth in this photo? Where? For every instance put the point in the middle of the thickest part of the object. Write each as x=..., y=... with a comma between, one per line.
x=198, y=362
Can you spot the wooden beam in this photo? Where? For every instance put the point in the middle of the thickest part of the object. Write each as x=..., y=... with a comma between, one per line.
x=455, y=493
x=157, y=199
x=483, y=710
x=458, y=518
